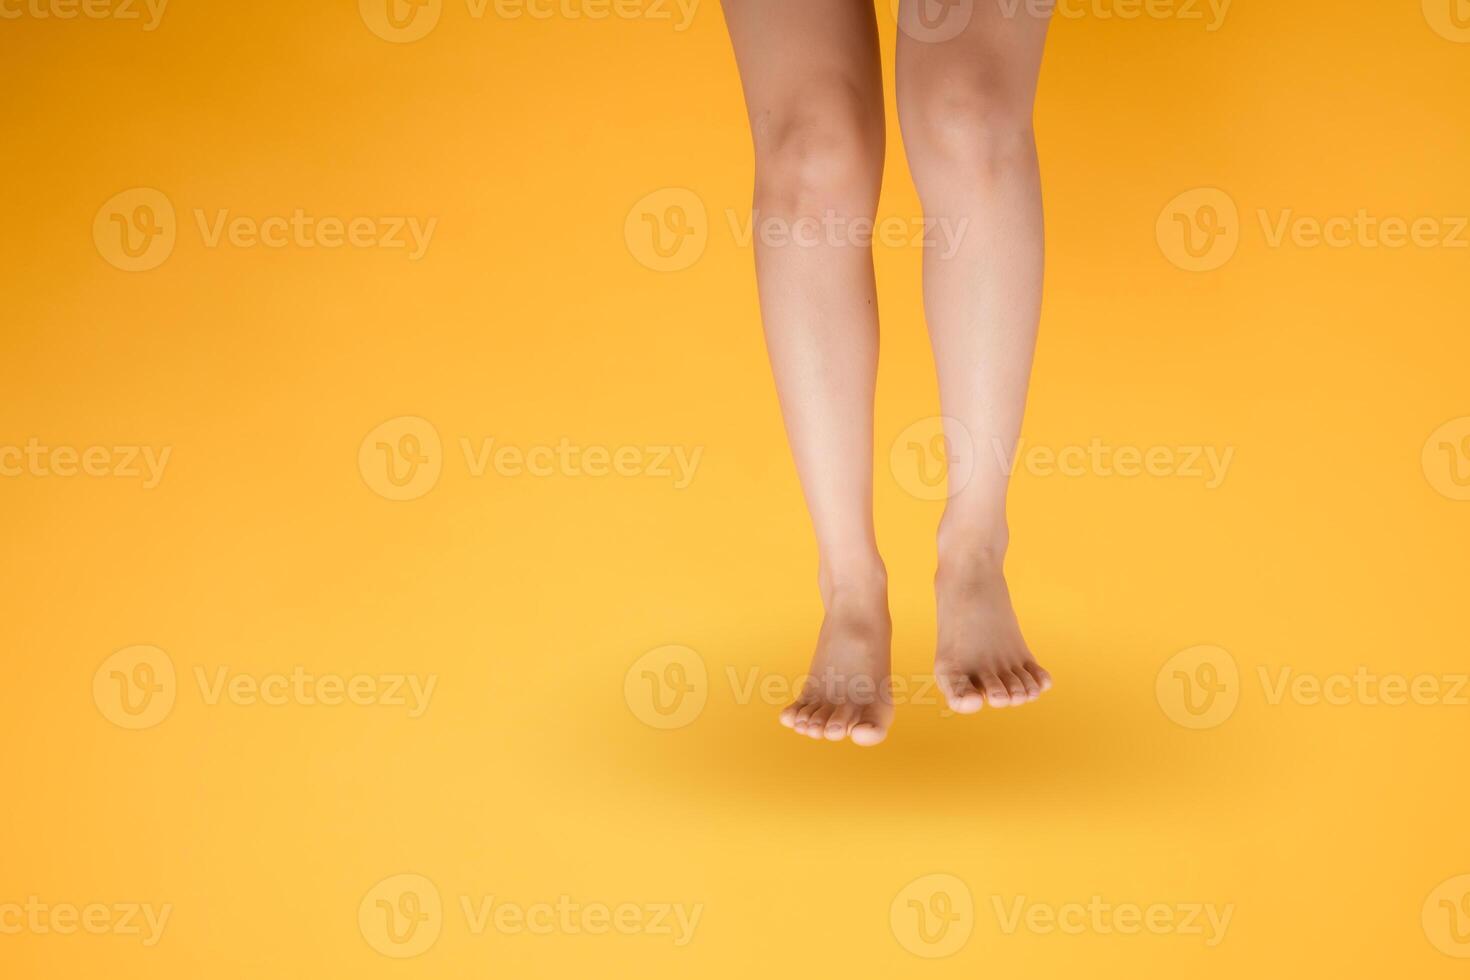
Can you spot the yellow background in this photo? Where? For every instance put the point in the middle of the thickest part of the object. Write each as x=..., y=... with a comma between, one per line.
x=531, y=320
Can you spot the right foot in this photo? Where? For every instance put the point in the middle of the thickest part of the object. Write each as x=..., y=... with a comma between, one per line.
x=982, y=657
x=847, y=693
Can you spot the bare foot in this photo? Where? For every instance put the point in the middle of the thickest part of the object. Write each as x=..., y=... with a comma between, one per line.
x=982, y=658
x=847, y=693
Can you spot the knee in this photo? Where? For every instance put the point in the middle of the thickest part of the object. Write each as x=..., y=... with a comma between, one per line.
x=824, y=154
x=971, y=130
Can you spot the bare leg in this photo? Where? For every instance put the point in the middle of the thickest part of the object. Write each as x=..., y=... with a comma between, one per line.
x=813, y=86
x=965, y=106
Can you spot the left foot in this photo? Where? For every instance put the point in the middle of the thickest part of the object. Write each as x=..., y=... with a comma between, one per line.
x=982, y=658
x=847, y=694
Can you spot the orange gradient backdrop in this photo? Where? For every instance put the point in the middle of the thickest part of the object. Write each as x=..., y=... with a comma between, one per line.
x=265, y=568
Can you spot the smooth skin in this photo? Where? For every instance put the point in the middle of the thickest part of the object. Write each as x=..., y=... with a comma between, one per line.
x=812, y=79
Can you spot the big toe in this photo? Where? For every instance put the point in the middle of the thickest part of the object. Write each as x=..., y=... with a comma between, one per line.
x=871, y=728
x=960, y=691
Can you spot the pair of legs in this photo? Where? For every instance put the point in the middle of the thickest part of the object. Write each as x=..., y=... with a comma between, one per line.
x=812, y=78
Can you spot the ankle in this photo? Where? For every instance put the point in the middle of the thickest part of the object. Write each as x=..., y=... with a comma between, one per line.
x=971, y=550
x=855, y=582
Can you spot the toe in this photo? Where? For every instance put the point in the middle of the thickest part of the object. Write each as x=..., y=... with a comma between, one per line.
x=1014, y=686
x=1043, y=678
x=840, y=723
x=804, y=714
x=995, y=690
x=816, y=725
x=868, y=732
x=1033, y=689
x=788, y=714
x=960, y=691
